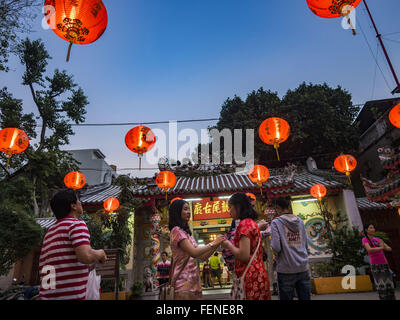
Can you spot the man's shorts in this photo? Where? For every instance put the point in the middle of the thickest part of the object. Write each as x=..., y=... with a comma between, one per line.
x=215, y=273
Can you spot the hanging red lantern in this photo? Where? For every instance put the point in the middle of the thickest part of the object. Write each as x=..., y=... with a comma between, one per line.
x=274, y=131
x=166, y=180
x=76, y=21
x=111, y=204
x=318, y=191
x=140, y=140
x=334, y=9
x=394, y=116
x=259, y=174
x=75, y=180
x=13, y=141
x=345, y=164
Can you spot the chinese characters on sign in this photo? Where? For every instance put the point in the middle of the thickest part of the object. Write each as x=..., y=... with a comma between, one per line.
x=210, y=209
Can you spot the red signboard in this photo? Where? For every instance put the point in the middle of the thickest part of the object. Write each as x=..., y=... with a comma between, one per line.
x=205, y=209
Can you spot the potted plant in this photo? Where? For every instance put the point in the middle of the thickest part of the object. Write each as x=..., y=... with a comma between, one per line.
x=136, y=291
x=345, y=244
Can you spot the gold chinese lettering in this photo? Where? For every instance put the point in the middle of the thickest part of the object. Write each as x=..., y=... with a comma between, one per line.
x=198, y=208
x=216, y=207
x=207, y=208
x=225, y=207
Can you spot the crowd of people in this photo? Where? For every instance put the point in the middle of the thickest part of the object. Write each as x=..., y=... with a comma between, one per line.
x=67, y=254
x=243, y=243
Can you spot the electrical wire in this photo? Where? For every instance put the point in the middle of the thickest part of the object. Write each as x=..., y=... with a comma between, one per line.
x=372, y=53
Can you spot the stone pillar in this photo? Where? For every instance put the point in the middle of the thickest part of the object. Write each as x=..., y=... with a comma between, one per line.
x=350, y=207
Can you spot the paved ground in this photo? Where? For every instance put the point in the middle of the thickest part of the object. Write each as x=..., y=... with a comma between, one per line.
x=223, y=294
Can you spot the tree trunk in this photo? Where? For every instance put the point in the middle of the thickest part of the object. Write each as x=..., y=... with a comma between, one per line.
x=35, y=204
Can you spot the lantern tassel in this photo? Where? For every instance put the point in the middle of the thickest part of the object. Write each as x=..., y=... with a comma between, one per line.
x=351, y=25
x=348, y=175
x=261, y=188
x=140, y=163
x=276, y=146
x=69, y=50
x=8, y=163
x=166, y=195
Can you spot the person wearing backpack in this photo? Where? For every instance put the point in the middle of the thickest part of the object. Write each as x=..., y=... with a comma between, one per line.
x=379, y=266
x=289, y=243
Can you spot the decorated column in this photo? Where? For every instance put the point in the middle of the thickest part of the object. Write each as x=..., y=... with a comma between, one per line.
x=155, y=240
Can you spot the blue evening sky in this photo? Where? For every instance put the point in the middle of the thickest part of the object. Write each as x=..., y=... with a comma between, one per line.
x=180, y=59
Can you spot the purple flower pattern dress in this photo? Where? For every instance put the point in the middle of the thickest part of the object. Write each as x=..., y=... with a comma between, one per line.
x=188, y=285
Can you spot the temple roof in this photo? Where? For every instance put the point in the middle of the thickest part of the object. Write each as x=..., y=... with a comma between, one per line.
x=364, y=204
x=281, y=183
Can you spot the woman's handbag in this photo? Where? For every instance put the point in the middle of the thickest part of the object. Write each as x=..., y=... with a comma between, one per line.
x=167, y=290
x=238, y=290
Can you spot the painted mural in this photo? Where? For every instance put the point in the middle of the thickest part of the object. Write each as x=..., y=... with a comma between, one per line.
x=309, y=212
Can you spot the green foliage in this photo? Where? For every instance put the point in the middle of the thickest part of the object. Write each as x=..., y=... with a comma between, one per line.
x=137, y=289
x=95, y=227
x=115, y=231
x=344, y=241
x=382, y=235
x=15, y=17
x=19, y=234
x=320, y=117
x=58, y=101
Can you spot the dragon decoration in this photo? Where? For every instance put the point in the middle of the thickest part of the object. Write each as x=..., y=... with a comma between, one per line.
x=386, y=190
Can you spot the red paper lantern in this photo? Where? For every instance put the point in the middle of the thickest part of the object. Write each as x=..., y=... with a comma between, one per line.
x=318, y=191
x=13, y=141
x=140, y=140
x=75, y=180
x=394, y=116
x=166, y=180
x=76, y=21
x=345, y=164
x=111, y=204
x=274, y=131
x=334, y=9
x=259, y=174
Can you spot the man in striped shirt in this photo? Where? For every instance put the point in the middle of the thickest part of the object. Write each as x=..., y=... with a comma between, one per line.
x=66, y=252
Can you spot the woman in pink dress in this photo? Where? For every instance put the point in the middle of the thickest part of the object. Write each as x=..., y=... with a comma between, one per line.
x=379, y=266
x=246, y=239
x=185, y=271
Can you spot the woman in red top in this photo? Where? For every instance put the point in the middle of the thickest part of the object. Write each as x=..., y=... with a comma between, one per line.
x=247, y=237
